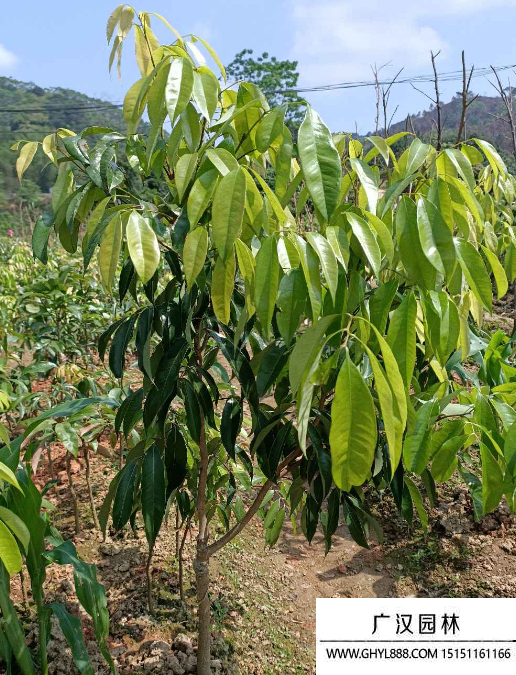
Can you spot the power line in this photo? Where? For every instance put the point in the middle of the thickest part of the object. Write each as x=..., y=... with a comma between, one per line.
x=449, y=76
x=106, y=106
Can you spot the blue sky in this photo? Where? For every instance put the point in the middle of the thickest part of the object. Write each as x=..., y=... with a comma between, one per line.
x=59, y=43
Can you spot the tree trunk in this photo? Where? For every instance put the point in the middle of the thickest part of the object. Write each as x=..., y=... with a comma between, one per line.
x=202, y=576
x=73, y=495
x=201, y=563
x=148, y=573
x=90, y=490
x=180, y=563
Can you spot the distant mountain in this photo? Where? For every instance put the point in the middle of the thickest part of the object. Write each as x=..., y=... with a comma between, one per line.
x=31, y=112
x=482, y=121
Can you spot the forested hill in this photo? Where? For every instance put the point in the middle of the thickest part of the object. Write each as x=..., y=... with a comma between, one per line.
x=482, y=121
x=30, y=112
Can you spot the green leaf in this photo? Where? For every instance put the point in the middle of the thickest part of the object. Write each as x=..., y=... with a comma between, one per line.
x=25, y=158
x=353, y=432
x=179, y=86
x=72, y=630
x=273, y=200
x=153, y=493
x=185, y=169
x=445, y=460
x=109, y=251
x=417, y=448
x=124, y=498
x=90, y=593
x=509, y=451
x=492, y=156
x=401, y=337
x=363, y=232
x=223, y=160
x=68, y=437
x=442, y=323
x=392, y=397
x=119, y=346
x=418, y=267
x=328, y=260
x=270, y=129
x=305, y=396
x=69, y=408
x=230, y=425
x=292, y=297
x=417, y=501
x=7, y=475
x=206, y=91
x=381, y=146
x=502, y=284
x=16, y=525
x=310, y=266
x=320, y=162
x=492, y=480
x=192, y=410
x=213, y=55
x=200, y=196
x=417, y=154
x=9, y=551
x=194, y=254
x=228, y=212
x=306, y=348
x=266, y=282
x=40, y=236
x=143, y=246
x=176, y=459
x=222, y=287
x=12, y=627
x=436, y=238
x=369, y=181
x=475, y=272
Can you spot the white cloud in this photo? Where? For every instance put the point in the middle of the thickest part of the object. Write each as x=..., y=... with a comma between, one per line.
x=7, y=59
x=338, y=40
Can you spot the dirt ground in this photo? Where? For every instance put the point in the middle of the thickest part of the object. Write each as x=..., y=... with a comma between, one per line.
x=263, y=602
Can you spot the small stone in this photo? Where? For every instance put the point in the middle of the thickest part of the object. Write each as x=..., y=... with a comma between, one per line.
x=158, y=647
x=66, y=586
x=174, y=666
x=342, y=569
x=183, y=643
x=191, y=664
x=109, y=549
x=124, y=566
x=151, y=663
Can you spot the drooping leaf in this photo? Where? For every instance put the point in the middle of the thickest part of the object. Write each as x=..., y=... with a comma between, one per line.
x=179, y=87
x=72, y=630
x=266, y=282
x=353, y=432
x=143, y=246
x=194, y=253
x=401, y=337
x=68, y=437
x=228, y=212
x=475, y=272
x=124, y=498
x=320, y=162
x=153, y=493
x=222, y=287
